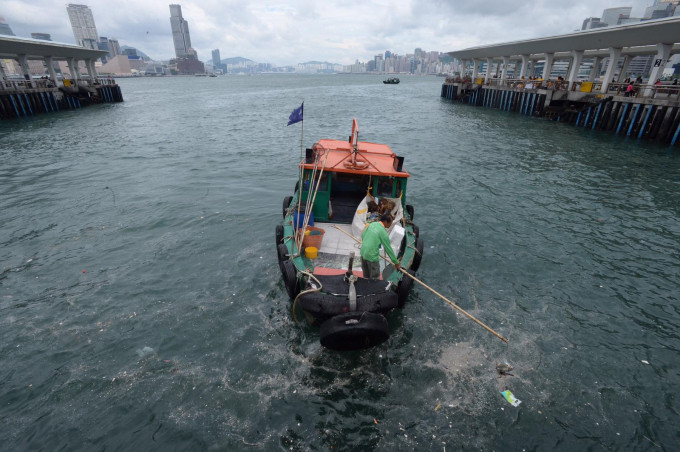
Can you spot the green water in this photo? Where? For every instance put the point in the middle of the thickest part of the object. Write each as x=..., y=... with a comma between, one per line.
x=142, y=308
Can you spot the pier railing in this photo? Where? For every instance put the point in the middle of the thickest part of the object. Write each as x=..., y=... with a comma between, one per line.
x=19, y=86
x=665, y=92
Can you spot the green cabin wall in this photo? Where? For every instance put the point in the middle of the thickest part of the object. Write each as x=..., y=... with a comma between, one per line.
x=323, y=196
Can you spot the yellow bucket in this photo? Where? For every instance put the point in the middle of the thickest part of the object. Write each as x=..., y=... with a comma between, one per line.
x=311, y=252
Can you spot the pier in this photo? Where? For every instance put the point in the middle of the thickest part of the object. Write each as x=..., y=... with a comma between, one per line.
x=45, y=92
x=518, y=77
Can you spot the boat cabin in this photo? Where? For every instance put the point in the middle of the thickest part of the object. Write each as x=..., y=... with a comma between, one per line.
x=349, y=173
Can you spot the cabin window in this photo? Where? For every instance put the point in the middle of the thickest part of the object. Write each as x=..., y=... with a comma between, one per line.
x=385, y=185
x=323, y=186
x=348, y=183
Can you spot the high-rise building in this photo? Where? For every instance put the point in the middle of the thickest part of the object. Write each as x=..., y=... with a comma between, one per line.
x=661, y=8
x=216, y=59
x=612, y=16
x=82, y=22
x=180, y=33
x=5, y=28
x=592, y=22
x=42, y=36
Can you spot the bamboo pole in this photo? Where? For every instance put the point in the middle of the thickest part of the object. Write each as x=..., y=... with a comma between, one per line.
x=316, y=189
x=463, y=311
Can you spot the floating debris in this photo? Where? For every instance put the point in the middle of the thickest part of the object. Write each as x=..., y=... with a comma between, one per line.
x=504, y=369
x=510, y=397
x=145, y=351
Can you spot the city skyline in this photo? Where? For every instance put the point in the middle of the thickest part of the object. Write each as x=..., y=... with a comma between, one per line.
x=287, y=33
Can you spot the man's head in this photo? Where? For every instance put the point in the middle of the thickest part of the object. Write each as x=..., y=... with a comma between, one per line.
x=386, y=220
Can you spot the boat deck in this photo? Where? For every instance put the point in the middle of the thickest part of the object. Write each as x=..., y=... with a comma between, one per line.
x=333, y=256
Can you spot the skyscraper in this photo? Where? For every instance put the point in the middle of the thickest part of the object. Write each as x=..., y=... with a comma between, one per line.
x=42, y=36
x=216, y=60
x=4, y=27
x=612, y=16
x=180, y=33
x=83, y=26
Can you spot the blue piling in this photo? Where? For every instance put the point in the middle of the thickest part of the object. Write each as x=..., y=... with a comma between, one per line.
x=675, y=137
x=623, y=116
x=597, y=115
x=632, y=120
x=644, y=123
x=14, y=104
x=585, y=123
x=28, y=104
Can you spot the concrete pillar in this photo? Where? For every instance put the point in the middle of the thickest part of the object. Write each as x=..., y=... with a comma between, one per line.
x=475, y=69
x=89, y=63
x=50, y=68
x=624, y=68
x=504, y=74
x=525, y=66
x=614, y=54
x=3, y=74
x=547, y=69
x=73, y=69
x=23, y=62
x=489, y=67
x=595, y=69
x=663, y=53
x=576, y=59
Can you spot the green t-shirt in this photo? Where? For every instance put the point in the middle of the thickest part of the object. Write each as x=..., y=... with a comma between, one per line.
x=373, y=236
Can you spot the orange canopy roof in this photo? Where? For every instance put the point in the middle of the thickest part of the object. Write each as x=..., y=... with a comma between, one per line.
x=379, y=158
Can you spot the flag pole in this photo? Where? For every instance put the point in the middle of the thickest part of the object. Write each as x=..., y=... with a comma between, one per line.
x=302, y=129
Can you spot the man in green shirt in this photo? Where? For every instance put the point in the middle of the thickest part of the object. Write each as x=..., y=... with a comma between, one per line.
x=374, y=235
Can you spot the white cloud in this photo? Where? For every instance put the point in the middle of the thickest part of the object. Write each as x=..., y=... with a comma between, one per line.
x=294, y=31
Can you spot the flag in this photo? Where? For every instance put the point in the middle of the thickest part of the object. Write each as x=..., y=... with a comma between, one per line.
x=296, y=116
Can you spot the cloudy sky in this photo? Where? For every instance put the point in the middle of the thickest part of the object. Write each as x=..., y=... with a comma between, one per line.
x=295, y=31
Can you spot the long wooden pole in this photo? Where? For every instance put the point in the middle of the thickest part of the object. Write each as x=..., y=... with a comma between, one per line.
x=470, y=316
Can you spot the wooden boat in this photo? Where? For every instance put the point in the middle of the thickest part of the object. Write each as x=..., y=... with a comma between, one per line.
x=391, y=81
x=318, y=240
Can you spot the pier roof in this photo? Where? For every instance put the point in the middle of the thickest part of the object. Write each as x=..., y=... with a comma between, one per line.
x=12, y=46
x=627, y=37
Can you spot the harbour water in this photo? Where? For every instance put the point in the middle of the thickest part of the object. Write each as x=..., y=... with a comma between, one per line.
x=141, y=306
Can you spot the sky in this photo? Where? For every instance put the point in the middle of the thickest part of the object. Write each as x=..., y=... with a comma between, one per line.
x=296, y=31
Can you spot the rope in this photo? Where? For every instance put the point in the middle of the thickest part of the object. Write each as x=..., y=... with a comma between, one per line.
x=470, y=316
x=312, y=290
x=316, y=190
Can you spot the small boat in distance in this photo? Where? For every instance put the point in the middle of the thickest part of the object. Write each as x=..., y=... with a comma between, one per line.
x=318, y=239
x=391, y=81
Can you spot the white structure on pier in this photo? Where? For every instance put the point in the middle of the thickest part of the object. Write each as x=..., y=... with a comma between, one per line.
x=660, y=38
x=24, y=49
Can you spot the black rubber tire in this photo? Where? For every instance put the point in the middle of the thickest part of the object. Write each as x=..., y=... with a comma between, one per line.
x=282, y=252
x=326, y=305
x=290, y=278
x=286, y=203
x=416, y=231
x=418, y=256
x=404, y=288
x=354, y=331
x=279, y=234
x=410, y=211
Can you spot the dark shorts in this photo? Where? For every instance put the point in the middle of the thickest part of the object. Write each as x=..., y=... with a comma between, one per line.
x=371, y=269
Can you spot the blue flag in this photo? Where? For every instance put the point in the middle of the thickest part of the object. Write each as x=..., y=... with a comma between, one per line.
x=296, y=116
